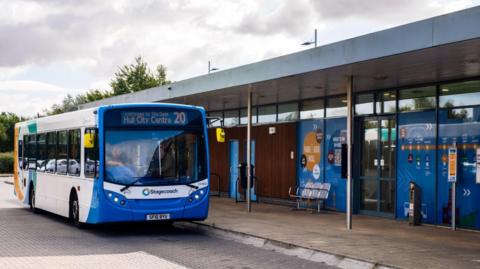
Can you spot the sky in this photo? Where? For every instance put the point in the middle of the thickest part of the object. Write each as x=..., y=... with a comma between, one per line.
x=51, y=48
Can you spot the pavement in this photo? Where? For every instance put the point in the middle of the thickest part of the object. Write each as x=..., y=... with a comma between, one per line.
x=376, y=242
x=45, y=240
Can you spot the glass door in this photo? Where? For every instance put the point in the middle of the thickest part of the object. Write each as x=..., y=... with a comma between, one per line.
x=377, y=169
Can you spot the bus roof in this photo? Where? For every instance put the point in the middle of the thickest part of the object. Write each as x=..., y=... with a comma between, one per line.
x=83, y=118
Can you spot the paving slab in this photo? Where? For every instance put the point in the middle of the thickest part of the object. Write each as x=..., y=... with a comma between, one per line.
x=377, y=240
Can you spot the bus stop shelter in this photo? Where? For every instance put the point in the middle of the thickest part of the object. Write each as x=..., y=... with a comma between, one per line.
x=354, y=81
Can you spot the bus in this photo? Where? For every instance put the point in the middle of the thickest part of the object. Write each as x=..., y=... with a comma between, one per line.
x=115, y=163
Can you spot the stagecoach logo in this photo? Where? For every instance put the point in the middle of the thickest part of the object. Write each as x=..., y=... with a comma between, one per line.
x=147, y=191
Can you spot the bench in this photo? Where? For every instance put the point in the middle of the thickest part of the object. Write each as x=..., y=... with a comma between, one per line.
x=310, y=194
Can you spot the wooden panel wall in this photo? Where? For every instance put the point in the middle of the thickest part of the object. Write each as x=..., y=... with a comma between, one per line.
x=274, y=168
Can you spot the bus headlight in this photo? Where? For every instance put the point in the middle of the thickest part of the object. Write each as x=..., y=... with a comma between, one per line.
x=197, y=195
x=116, y=198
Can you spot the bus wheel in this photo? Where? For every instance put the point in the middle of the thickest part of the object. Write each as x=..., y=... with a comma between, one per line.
x=75, y=211
x=31, y=201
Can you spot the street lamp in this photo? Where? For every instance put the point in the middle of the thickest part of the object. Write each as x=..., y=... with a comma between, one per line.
x=308, y=43
x=210, y=68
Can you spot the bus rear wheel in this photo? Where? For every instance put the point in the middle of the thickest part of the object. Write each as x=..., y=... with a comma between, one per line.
x=32, y=199
x=75, y=211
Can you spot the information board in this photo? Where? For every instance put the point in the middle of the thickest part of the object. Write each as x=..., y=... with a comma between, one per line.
x=452, y=165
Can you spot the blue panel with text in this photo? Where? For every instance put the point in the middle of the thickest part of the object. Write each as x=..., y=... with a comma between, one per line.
x=335, y=136
x=416, y=162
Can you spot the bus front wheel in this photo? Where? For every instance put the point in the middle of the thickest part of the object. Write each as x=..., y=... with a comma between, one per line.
x=32, y=199
x=75, y=211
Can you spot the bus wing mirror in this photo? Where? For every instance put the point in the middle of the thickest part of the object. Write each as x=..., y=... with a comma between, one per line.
x=89, y=140
x=220, y=135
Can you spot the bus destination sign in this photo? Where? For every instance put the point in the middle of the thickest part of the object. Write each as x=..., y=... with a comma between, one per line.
x=154, y=118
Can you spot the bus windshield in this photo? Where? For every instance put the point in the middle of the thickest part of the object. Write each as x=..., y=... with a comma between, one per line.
x=154, y=157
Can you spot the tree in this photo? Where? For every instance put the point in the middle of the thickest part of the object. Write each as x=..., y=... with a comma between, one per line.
x=7, y=126
x=137, y=76
x=95, y=94
x=130, y=78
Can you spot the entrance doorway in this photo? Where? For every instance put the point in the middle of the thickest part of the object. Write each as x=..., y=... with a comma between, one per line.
x=377, y=165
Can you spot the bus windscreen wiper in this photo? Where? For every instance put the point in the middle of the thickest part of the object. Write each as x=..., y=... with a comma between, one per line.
x=137, y=179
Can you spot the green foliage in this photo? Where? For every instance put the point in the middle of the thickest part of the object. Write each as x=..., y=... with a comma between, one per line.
x=6, y=163
x=130, y=78
x=71, y=103
x=7, y=125
x=137, y=77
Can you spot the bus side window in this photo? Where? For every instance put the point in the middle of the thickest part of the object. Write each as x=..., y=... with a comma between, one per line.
x=25, y=153
x=62, y=152
x=74, y=153
x=51, y=152
x=32, y=154
x=91, y=155
x=41, y=152
x=20, y=153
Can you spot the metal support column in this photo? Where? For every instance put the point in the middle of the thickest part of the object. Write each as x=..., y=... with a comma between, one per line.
x=249, y=160
x=349, y=151
x=454, y=205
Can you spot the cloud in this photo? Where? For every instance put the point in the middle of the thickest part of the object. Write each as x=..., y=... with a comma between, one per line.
x=91, y=38
x=387, y=12
x=289, y=18
x=27, y=98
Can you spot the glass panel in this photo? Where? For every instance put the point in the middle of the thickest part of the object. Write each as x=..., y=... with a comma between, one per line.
x=370, y=145
x=386, y=102
x=150, y=157
x=312, y=109
x=288, y=112
x=464, y=114
x=218, y=114
x=91, y=156
x=41, y=152
x=267, y=114
x=387, y=144
x=51, y=152
x=243, y=115
x=387, y=195
x=369, y=194
x=417, y=99
x=337, y=106
x=62, y=152
x=460, y=94
x=364, y=104
x=231, y=118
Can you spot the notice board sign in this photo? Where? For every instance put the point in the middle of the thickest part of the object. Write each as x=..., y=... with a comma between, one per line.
x=478, y=166
x=452, y=165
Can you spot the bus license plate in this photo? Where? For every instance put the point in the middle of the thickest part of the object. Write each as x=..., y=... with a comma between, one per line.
x=158, y=216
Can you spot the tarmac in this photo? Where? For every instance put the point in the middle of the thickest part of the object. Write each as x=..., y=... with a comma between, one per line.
x=372, y=243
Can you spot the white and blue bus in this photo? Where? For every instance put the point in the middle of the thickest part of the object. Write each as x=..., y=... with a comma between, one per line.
x=117, y=163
